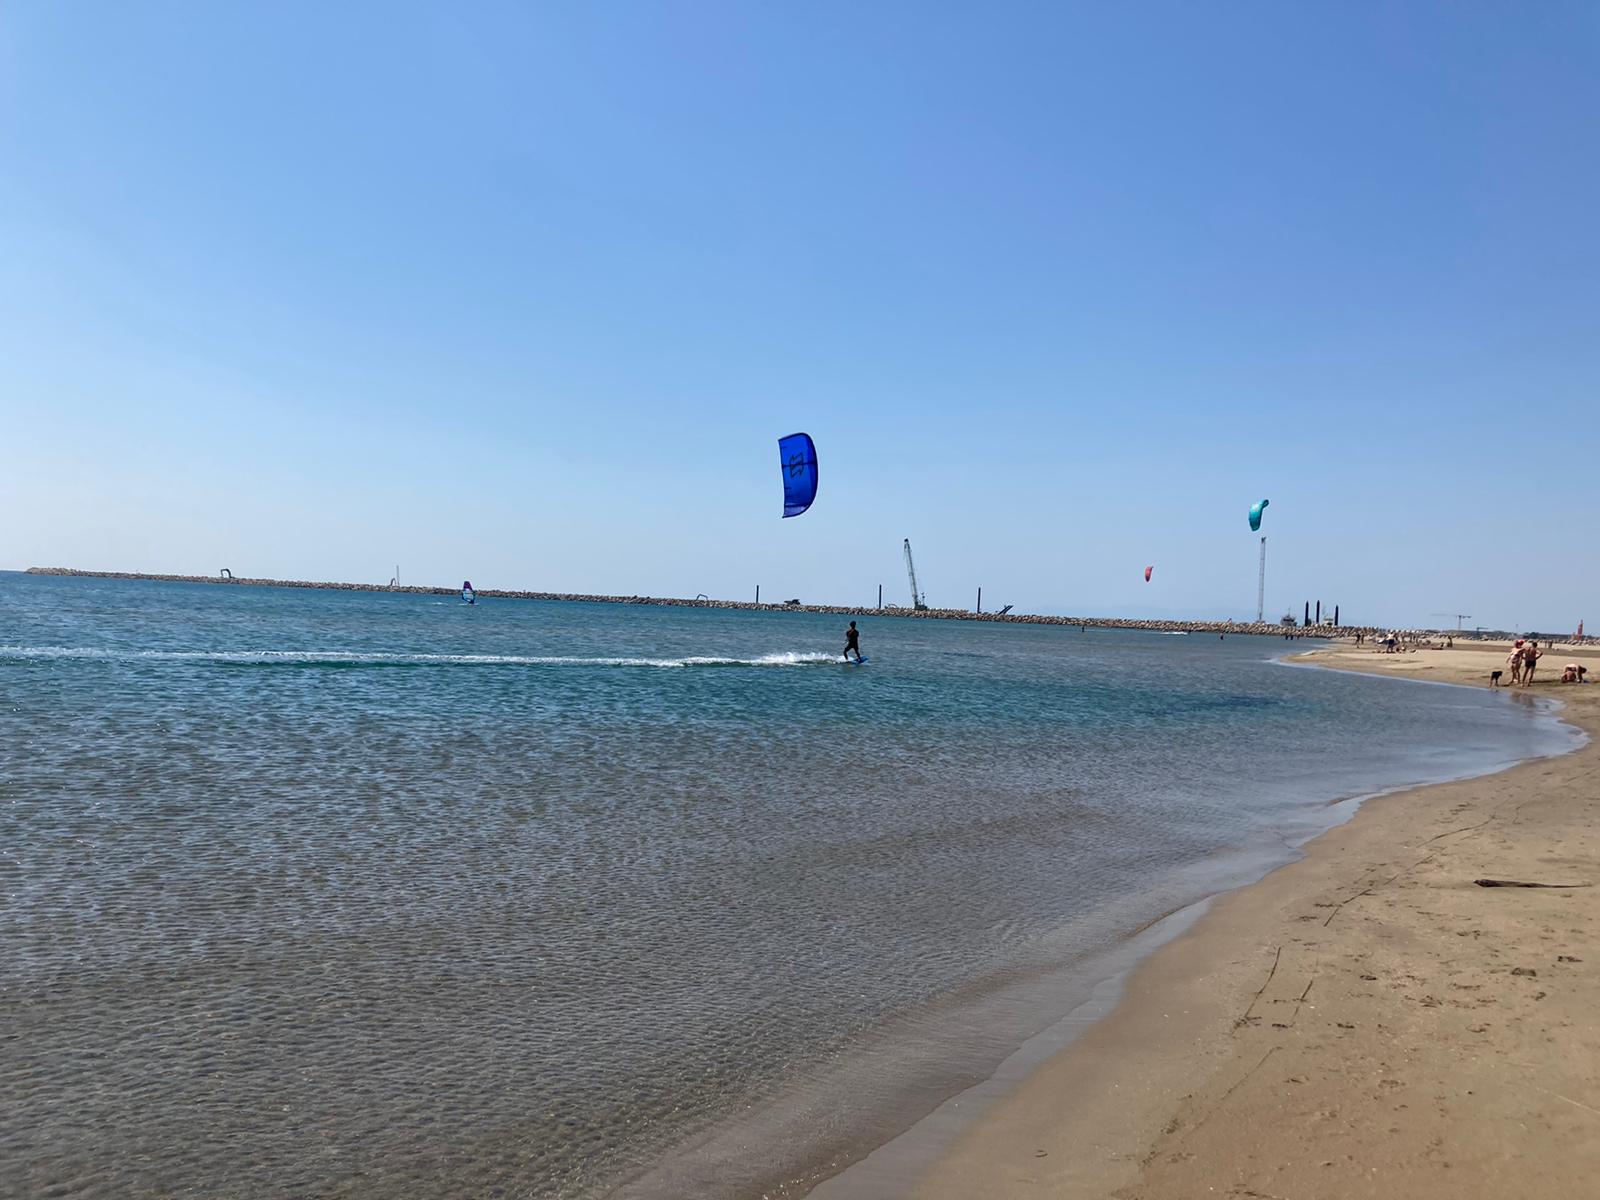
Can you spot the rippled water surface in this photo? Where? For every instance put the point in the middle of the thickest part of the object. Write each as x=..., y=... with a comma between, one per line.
x=356, y=894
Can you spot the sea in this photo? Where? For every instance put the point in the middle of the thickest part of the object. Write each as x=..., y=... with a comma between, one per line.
x=363, y=894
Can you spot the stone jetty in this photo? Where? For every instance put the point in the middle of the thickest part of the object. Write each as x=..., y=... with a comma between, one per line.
x=1272, y=629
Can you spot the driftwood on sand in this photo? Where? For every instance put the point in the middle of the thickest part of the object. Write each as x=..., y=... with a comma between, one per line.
x=1520, y=883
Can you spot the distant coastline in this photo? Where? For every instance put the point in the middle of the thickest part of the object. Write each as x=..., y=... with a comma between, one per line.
x=1263, y=628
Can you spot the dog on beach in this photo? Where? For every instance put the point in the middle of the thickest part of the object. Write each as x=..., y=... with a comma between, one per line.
x=1494, y=678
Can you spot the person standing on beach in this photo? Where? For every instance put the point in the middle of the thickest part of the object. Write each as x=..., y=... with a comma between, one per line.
x=1530, y=659
x=852, y=642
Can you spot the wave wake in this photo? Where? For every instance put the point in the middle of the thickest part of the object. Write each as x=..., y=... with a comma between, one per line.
x=350, y=659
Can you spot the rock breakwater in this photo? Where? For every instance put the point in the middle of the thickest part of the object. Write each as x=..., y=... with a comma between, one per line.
x=1271, y=629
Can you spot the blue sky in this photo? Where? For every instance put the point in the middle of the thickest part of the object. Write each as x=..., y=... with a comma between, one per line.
x=527, y=293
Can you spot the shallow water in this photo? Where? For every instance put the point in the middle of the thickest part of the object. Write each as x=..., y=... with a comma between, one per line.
x=357, y=894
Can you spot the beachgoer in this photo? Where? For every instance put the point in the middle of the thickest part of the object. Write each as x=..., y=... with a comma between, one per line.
x=852, y=643
x=1530, y=659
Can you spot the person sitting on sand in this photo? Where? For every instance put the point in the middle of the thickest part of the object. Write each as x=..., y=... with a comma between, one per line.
x=1530, y=659
x=1574, y=673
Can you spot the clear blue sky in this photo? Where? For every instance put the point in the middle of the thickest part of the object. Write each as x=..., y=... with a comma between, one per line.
x=527, y=293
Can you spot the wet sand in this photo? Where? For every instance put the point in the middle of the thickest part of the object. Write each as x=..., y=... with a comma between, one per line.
x=1364, y=1022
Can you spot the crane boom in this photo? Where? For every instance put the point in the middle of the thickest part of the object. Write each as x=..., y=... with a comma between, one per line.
x=917, y=602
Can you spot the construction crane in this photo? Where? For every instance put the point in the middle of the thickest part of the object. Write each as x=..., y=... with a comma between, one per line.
x=917, y=601
x=1460, y=617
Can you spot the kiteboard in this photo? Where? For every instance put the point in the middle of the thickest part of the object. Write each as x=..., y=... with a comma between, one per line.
x=856, y=662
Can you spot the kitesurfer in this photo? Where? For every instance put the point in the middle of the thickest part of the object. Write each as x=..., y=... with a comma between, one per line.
x=852, y=642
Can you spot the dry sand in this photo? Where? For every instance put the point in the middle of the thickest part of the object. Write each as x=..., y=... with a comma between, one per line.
x=1366, y=1022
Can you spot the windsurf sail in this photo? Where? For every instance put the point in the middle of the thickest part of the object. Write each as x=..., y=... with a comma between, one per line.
x=467, y=594
x=797, y=457
x=1255, y=515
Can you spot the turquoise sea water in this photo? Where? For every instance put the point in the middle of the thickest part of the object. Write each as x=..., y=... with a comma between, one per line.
x=358, y=894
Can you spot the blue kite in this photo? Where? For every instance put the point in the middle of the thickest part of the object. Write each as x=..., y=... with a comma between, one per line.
x=797, y=456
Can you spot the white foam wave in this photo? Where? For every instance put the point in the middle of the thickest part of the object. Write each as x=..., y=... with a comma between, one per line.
x=790, y=658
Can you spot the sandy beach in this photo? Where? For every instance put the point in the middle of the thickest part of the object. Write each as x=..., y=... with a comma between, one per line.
x=1367, y=1021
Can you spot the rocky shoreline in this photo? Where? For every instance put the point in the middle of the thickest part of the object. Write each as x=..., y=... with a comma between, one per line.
x=1271, y=629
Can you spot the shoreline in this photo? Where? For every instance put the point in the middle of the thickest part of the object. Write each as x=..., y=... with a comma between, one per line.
x=1319, y=1032
x=1253, y=628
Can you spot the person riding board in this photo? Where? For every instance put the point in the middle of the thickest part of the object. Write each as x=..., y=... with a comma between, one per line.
x=852, y=644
